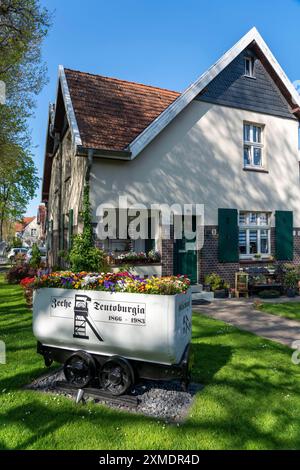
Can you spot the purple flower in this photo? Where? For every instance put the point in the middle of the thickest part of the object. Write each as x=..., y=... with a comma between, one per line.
x=108, y=284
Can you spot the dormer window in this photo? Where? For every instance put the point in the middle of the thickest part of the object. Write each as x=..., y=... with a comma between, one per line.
x=249, y=66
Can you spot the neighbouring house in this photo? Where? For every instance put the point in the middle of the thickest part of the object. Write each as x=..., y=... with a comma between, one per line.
x=32, y=229
x=26, y=230
x=229, y=141
x=41, y=222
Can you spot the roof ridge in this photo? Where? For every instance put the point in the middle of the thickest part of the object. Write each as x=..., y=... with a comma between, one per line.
x=122, y=81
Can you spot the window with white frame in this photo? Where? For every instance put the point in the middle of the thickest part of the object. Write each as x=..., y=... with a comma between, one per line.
x=253, y=146
x=249, y=66
x=254, y=234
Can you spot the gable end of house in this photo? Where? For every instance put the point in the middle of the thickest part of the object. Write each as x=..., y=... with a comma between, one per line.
x=258, y=93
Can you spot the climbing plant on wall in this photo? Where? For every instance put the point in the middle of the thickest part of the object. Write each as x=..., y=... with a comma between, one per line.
x=84, y=256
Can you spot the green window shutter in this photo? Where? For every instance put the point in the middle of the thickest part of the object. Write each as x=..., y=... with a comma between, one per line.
x=70, y=229
x=50, y=235
x=284, y=235
x=61, y=232
x=149, y=242
x=228, y=236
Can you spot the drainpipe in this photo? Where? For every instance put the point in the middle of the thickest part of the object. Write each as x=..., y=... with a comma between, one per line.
x=60, y=203
x=89, y=165
x=88, y=168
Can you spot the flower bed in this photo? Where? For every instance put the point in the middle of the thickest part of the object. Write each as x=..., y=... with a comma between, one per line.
x=15, y=274
x=115, y=282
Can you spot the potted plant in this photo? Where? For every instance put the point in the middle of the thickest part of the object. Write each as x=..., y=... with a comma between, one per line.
x=231, y=292
x=257, y=256
x=290, y=280
x=271, y=268
x=217, y=285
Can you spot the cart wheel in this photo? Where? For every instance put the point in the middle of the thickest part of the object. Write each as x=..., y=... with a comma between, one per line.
x=80, y=369
x=116, y=375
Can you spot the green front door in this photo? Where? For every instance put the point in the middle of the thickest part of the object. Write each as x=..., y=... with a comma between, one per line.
x=185, y=258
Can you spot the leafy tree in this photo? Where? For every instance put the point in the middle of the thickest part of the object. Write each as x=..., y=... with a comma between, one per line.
x=18, y=180
x=23, y=25
x=84, y=256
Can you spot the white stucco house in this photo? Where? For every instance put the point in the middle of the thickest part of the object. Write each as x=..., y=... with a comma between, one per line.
x=32, y=229
x=27, y=230
x=229, y=142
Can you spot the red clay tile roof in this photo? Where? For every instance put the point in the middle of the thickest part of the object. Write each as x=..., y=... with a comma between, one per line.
x=20, y=226
x=110, y=113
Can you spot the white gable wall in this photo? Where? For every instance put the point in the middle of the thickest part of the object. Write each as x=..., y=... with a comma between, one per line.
x=198, y=158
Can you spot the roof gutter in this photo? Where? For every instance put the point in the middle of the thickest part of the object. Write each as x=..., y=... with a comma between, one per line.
x=104, y=153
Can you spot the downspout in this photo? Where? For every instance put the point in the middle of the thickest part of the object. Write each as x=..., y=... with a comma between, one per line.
x=89, y=166
x=60, y=205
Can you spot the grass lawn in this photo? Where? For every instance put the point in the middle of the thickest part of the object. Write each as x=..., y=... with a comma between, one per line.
x=288, y=310
x=251, y=398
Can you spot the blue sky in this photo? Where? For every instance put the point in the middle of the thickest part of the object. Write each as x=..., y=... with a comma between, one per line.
x=166, y=43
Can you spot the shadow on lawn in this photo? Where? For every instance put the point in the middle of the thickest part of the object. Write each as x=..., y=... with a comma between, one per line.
x=42, y=422
x=16, y=330
x=207, y=360
x=12, y=304
x=3, y=446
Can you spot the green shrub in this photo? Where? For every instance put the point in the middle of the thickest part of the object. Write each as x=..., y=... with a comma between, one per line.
x=35, y=257
x=64, y=255
x=269, y=294
x=86, y=257
x=15, y=274
x=291, y=279
x=216, y=282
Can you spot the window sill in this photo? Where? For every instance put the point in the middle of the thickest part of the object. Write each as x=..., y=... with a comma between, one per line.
x=252, y=168
x=255, y=261
x=250, y=76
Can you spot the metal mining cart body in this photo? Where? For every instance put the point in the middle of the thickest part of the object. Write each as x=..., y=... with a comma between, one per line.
x=151, y=328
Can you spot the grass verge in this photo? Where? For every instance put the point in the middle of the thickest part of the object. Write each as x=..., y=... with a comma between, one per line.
x=289, y=310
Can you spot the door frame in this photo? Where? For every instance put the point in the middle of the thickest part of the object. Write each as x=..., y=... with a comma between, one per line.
x=176, y=253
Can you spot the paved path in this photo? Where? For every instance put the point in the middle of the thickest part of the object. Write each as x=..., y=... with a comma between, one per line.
x=241, y=313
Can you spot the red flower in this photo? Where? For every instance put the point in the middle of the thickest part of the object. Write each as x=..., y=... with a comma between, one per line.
x=27, y=281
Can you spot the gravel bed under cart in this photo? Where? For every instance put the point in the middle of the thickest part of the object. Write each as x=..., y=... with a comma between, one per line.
x=158, y=399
